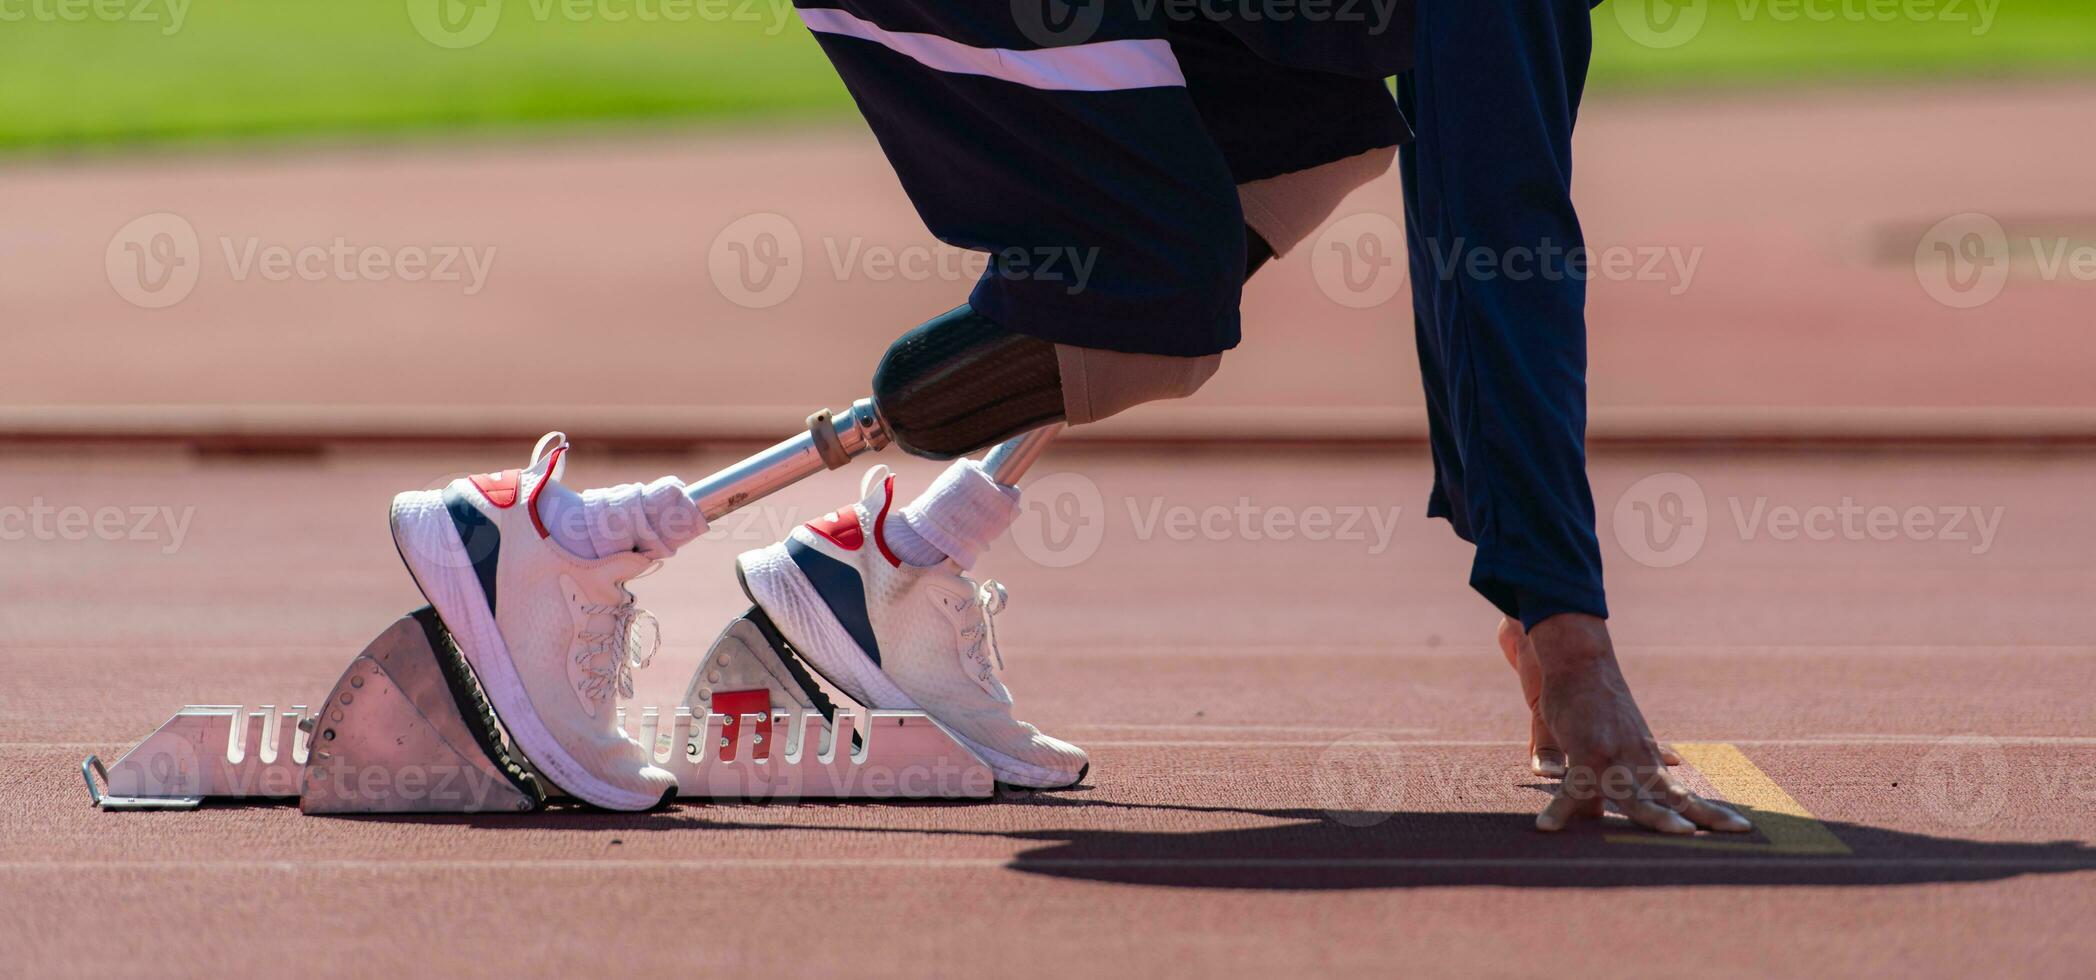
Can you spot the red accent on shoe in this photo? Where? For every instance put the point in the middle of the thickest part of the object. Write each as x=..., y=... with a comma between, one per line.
x=552, y=465
x=880, y=523
x=841, y=527
x=735, y=704
x=499, y=488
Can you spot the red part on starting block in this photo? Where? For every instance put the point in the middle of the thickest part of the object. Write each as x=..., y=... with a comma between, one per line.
x=735, y=704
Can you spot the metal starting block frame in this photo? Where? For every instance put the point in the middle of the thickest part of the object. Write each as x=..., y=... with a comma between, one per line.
x=407, y=730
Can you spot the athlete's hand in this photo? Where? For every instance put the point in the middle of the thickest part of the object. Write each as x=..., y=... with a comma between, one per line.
x=1545, y=758
x=1612, y=759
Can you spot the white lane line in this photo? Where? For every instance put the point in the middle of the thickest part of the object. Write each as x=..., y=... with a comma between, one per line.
x=1615, y=863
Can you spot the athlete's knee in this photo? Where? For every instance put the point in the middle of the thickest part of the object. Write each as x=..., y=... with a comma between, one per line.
x=961, y=382
x=1098, y=384
x=1285, y=210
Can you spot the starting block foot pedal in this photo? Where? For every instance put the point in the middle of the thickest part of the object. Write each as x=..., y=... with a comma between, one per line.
x=749, y=658
x=406, y=729
x=756, y=725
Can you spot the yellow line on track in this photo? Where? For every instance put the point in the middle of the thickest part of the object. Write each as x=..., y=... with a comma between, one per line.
x=1783, y=823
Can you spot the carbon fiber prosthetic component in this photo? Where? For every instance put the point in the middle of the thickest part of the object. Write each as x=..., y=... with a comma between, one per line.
x=959, y=382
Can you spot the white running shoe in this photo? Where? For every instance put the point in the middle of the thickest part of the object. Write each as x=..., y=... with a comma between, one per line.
x=893, y=635
x=552, y=638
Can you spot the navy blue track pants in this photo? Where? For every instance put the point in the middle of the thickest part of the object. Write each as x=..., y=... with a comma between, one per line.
x=1026, y=129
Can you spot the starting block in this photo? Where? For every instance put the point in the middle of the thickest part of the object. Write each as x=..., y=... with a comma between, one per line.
x=407, y=730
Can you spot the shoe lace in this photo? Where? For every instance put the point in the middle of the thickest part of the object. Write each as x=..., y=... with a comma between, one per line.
x=610, y=656
x=991, y=597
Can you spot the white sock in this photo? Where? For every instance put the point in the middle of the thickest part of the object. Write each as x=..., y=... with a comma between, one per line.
x=910, y=546
x=957, y=517
x=560, y=509
x=654, y=519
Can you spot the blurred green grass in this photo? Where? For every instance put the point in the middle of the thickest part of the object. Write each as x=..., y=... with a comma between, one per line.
x=100, y=74
x=1752, y=43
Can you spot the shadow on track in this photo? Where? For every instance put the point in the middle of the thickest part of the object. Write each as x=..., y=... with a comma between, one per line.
x=1314, y=849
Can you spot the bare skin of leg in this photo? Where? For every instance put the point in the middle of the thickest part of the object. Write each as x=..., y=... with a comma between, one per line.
x=1544, y=757
x=1612, y=759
